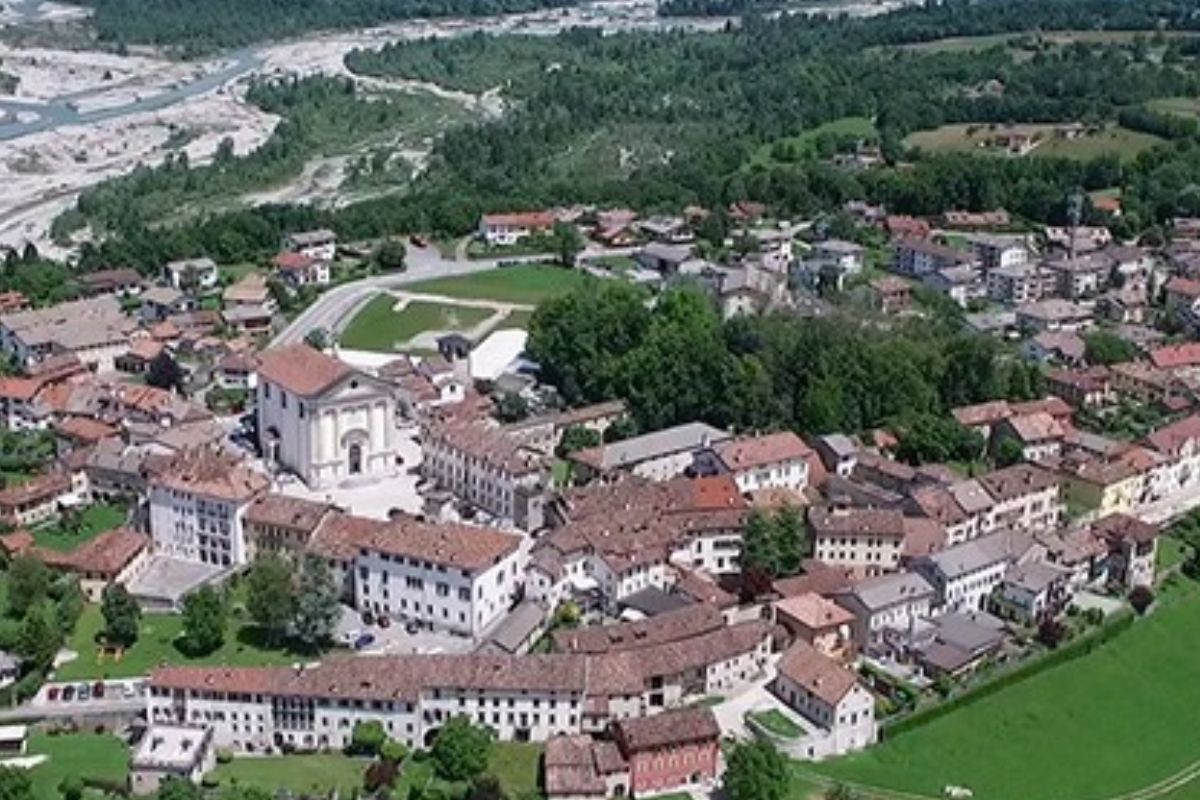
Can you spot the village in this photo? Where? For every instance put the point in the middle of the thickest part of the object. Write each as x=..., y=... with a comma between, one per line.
x=550, y=577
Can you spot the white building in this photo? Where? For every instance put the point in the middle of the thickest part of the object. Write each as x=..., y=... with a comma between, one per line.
x=509, y=229
x=965, y=576
x=452, y=577
x=322, y=419
x=183, y=752
x=771, y=461
x=657, y=456
x=887, y=603
x=1026, y=497
x=197, y=505
x=193, y=274
x=829, y=696
x=867, y=540
x=320, y=245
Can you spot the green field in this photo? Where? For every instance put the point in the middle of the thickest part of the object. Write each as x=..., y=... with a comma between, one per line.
x=1113, y=140
x=379, y=327
x=156, y=644
x=1181, y=106
x=846, y=126
x=1110, y=722
x=1171, y=551
x=961, y=44
x=86, y=755
x=94, y=521
x=515, y=765
x=528, y=284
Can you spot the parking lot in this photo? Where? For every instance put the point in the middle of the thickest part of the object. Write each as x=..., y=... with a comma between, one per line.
x=394, y=639
x=101, y=694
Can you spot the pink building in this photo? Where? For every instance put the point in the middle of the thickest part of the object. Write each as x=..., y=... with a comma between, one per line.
x=671, y=750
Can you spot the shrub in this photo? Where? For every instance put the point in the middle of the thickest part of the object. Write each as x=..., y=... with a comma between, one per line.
x=379, y=775
x=224, y=755
x=1141, y=598
x=393, y=750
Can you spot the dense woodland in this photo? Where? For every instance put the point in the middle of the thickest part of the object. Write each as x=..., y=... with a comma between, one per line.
x=658, y=121
x=680, y=362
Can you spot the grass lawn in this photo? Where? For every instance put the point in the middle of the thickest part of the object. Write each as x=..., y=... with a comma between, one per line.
x=87, y=755
x=378, y=327
x=1125, y=711
x=96, y=520
x=861, y=127
x=156, y=645
x=313, y=774
x=1180, y=106
x=970, y=138
x=777, y=723
x=527, y=284
x=516, y=319
x=515, y=764
x=1171, y=551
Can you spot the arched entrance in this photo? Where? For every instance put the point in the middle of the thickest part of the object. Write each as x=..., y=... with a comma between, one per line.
x=355, y=459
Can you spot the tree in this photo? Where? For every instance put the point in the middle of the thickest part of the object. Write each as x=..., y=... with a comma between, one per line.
x=486, y=787
x=512, y=407
x=791, y=542
x=566, y=243
x=390, y=256
x=15, y=784
x=173, y=788
x=318, y=338
x=576, y=438
x=1105, y=347
x=69, y=605
x=204, y=621
x=393, y=750
x=1051, y=633
x=759, y=548
x=461, y=750
x=28, y=584
x=269, y=596
x=37, y=638
x=71, y=787
x=317, y=608
x=756, y=771
x=933, y=438
x=122, y=615
x=366, y=739
x=1141, y=598
x=1008, y=451
x=164, y=372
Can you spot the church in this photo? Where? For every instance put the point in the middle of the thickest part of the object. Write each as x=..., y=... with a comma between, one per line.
x=322, y=419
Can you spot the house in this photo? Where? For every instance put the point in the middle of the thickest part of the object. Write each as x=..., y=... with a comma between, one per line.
x=486, y=468
x=1017, y=284
x=969, y=220
x=94, y=330
x=39, y=499
x=1133, y=548
x=179, y=752
x=830, y=697
x=1039, y=434
x=198, y=500
x=1123, y=306
x=323, y=420
x=658, y=456
x=890, y=295
x=956, y=644
x=319, y=245
x=982, y=417
x=769, y=461
x=892, y=602
x=1078, y=238
x=161, y=302
x=903, y=226
x=125, y=282
x=252, y=290
x=866, y=540
x=458, y=578
x=576, y=767
x=670, y=751
x=1054, y=315
x=830, y=262
x=663, y=257
x=917, y=258
x=1033, y=591
x=248, y=320
x=1026, y=497
x=508, y=229
x=279, y=524
x=1082, y=388
x=301, y=269
x=838, y=453
x=1079, y=277
x=192, y=275
x=1179, y=442
x=236, y=371
x=748, y=290
x=1060, y=347
x=114, y=557
x=965, y=575
x=819, y=622
x=998, y=252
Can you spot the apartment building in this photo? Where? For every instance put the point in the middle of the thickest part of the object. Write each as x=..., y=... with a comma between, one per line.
x=830, y=697
x=657, y=456
x=198, y=502
x=887, y=603
x=868, y=541
x=1026, y=497
x=771, y=461
x=964, y=576
x=487, y=468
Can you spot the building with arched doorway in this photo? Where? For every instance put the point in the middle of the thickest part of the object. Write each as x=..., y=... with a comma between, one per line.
x=324, y=420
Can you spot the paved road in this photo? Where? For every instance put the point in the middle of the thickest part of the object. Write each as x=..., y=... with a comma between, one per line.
x=334, y=309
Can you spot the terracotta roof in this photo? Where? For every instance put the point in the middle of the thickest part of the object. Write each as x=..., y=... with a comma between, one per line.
x=16, y=542
x=18, y=388
x=145, y=349
x=833, y=521
x=84, y=429
x=301, y=370
x=667, y=729
x=813, y=611
x=1183, y=286
x=817, y=577
x=466, y=547
x=289, y=261
x=1017, y=480
x=1036, y=427
x=340, y=536
x=922, y=537
x=522, y=219
x=682, y=623
x=1176, y=355
x=283, y=511
x=1119, y=527
x=1171, y=439
x=820, y=675
x=570, y=767
x=982, y=413
x=108, y=553
x=211, y=474
x=757, y=451
x=41, y=488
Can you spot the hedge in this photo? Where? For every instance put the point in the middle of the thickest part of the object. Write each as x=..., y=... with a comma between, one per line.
x=1070, y=651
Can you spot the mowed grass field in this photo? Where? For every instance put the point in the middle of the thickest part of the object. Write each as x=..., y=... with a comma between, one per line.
x=1119, y=719
x=1181, y=106
x=378, y=326
x=861, y=127
x=958, y=44
x=1113, y=140
x=527, y=284
x=84, y=755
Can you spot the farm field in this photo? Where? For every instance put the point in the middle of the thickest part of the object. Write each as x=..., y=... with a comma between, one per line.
x=378, y=326
x=959, y=44
x=1107, y=723
x=1113, y=140
x=529, y=284
x=861, y=127
x=1181, y=106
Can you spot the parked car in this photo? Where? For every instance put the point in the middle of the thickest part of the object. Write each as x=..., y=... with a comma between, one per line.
x=84, y=692
x=365, y=640
x=98, y=689
x=52, y=694
x=68, y=693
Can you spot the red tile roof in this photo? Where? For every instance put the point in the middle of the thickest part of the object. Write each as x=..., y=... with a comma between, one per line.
x=1171, y=439
x=1176, y=355
x=1183, y=286
x=293, y=261
x=667, y=730
x=520, y=219
x=820, y=675
x=757, y=451
x=301, y=369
